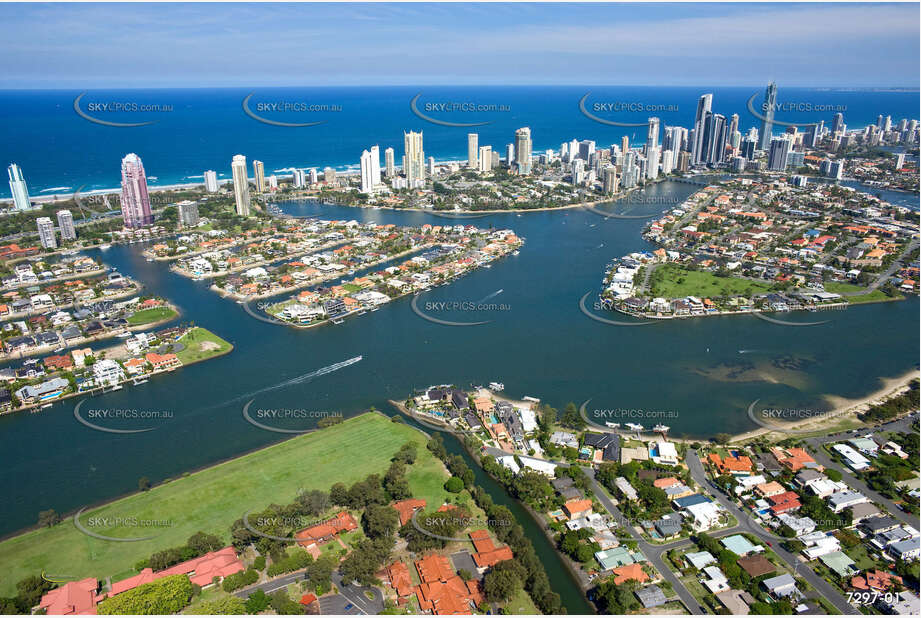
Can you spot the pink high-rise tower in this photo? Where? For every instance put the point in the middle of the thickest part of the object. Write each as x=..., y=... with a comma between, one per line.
x=135, y=201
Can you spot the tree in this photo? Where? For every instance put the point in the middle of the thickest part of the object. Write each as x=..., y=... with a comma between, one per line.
x=572, y=418
x=168, y=595
x=257, y=602
x=143, y=483
x=29, y=590
x=380, y=520
x=500, y=584
x=339, y=494
x=722, y=438
x=48, y=518
x=202, y=543
x=225, y=606
x=454, y=485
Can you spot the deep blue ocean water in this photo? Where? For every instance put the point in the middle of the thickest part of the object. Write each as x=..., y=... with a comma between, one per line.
x=59, y=150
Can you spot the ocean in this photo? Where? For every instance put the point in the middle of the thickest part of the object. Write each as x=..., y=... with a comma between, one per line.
x=59, y=150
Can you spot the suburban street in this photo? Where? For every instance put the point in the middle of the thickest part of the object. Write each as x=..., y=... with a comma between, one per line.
x=901, y=425
x=823, y=587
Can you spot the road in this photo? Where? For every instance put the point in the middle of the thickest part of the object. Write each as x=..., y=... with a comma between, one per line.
x=900, y=425
x=356, y=595
x=884, y=276
x=823, y=587
x=352, y=593
x=272, y=585
x=652, y=552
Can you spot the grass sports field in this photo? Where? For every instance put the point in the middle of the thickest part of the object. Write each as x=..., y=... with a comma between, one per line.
x=154, y=314
x=212, y=499
x=673, y=281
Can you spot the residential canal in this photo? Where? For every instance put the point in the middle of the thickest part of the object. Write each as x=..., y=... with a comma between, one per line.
x=702, y=373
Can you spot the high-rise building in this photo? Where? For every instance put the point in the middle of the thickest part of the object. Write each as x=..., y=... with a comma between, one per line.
x=413, y=158
x=684, y=160
x=624, y=144
x=298, y=178
x=259, y=176
x=779, y=151
x=66, y=225
x=18, y=188
x=523, y=150
x=509, y=154
x=46, y=233
x=485, y=163
x=610, y=180
x=389, y=167
x=704, y=105
x=767, y=114
x=134, y=198
x=329, y=175
x=713, y=142
x=578, y=171
x=737, y=164
x=747, y=148
x=188, y=213
x=367, y=185
x=211, y=185
x=375, y=165
x=586, y=149
x=652, y=135
x=240, y=185
x=652, y=163
x=837, y=125
x=314, y=178
x=733, y=123
x=431, y=166
x=668, y=161
x=472, y=140
x=271, y=182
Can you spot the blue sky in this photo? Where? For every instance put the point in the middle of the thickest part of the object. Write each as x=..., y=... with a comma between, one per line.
x=211, y=44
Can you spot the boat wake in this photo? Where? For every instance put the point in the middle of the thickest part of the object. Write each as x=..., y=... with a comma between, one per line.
x=302, y=379
x=487, y=297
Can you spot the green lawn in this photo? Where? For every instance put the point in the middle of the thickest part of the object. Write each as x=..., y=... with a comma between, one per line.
x=212, y=499
x=843, y=288
x=154, y=314
x=201, y=344
x=522, y=604
x=673, y=281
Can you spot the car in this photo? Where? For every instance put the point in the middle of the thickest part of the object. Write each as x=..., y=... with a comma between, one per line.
x=347, y=607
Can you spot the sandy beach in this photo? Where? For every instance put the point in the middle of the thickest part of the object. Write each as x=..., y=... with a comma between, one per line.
x=844, y=410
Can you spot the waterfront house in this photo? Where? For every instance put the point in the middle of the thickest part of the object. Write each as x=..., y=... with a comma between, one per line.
x=406, y=508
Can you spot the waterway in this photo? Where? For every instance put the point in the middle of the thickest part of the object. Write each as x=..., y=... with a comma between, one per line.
x=698, y=376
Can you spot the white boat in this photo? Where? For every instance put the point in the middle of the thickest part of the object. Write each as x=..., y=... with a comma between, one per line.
x=487, y=265
x=634, y=427
x=123, y=335
x=105, y=246
x=337, y=321
x=47, y=405
x=515, y=252
x=375, y=309
x=140, y=381
x=496, y=386
x=117, y=387
x=612, y=425
x=661, y=428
